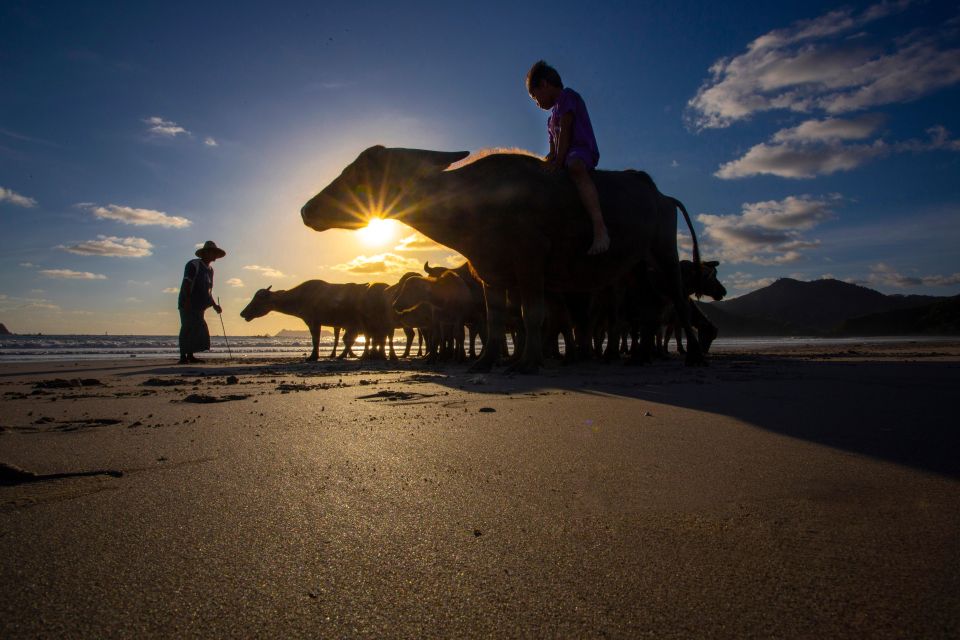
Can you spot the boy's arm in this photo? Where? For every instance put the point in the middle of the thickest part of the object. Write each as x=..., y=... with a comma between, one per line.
x=553, y=152
x=566, y=135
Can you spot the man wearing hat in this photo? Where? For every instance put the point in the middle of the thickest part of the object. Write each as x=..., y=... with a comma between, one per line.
x=196, y=294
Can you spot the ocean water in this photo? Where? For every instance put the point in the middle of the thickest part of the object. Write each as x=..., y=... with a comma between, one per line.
x=34, y=348
x=27, y=348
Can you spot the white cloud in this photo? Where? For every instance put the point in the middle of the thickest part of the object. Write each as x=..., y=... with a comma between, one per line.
x=884, y=274
x=939, y=141
x=210, y=142
x=268, y=272
x=27, y=265
x=453, y=260
x=831, y=129
x=70, y=274
x=137, y=217
x=746, y=281
x=171, y=290
x=384, y=264
x=112, y=246
x=14, y=303
x=810, y=66
x=816, y=147
x=792, y=160
x=768, y=233
x=164, y=128
x=418, y=242
x=235, y=282
x=14, y=198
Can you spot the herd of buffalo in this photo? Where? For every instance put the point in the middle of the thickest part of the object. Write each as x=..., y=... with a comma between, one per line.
x=525, y=236
x=443, y=311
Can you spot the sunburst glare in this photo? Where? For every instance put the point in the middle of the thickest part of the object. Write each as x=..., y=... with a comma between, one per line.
x=378, y=232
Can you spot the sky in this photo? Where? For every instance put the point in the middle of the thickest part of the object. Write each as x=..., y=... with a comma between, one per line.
x=808, y=139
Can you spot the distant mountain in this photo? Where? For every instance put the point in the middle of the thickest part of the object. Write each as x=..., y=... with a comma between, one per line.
x=816, y=307
x=733, y=326
x=939, y=318
x=4, y=331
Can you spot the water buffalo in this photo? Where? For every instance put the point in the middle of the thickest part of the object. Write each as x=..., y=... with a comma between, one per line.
x=315, y=302
x=702, y=282
x=451, y=300
x=475, y=315
x=520, y=225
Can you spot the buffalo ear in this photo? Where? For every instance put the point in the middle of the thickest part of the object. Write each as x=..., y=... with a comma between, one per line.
x=712, y=263
x=270, y=287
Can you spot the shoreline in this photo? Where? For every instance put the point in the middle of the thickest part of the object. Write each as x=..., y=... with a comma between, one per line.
x=802, y=490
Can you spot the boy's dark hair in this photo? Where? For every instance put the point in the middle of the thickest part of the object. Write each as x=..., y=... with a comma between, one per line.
x=542, y=71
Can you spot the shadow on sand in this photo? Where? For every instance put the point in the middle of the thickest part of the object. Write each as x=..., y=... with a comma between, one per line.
x=898, y=411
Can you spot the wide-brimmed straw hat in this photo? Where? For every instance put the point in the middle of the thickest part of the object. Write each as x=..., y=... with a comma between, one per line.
x=212, y=247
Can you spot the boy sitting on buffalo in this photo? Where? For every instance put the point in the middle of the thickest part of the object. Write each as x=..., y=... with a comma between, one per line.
x=572, y=143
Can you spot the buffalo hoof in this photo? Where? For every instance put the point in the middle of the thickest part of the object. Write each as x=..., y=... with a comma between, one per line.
x=523, y=366
x=313, y=358
x=480, y=366
x=695, y=360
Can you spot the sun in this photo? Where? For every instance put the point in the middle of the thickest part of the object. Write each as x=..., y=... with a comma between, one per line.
x=378, y=232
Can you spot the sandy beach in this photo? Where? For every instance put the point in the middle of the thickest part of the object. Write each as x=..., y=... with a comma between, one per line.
x=803, y=492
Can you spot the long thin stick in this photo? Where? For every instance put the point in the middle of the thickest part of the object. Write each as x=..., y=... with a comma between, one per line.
x=230, y=353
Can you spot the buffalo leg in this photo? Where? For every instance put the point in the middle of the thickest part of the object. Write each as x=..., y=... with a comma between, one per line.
x=496, y=298
x=534, y=310
x=336, y=339
x=393, y=354
x=676, y=336
x=315, y=336
x=349, y=337
x=681, y=306
x=408, y=334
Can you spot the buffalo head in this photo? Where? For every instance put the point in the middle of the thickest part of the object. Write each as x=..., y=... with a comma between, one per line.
x=260, y=306
x=415, y=290
x=710, y=285
x=704, y=283
x=380, y=183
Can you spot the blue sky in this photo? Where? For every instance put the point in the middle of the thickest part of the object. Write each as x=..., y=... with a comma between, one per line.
x=809, y=139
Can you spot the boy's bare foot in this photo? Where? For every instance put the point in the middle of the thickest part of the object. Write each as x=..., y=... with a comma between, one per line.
x=601, y=242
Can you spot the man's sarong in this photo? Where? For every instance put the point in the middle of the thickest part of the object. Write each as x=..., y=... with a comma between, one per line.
x=194, y=334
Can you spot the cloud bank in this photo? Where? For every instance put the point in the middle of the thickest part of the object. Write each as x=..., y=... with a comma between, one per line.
x=164, y=128
x=811, y=66
x=70, y=274
x=269, y=272
x=137, y=217
x=818, y=147
x=384, y=264
x=112, y=246
x=767, y=233
x=884, y=274
x=14, y=198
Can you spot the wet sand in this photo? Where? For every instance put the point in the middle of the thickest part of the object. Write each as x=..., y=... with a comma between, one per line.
x=797, y=492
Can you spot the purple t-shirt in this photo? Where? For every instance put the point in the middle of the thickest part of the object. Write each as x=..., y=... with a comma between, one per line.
x=583, y=144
